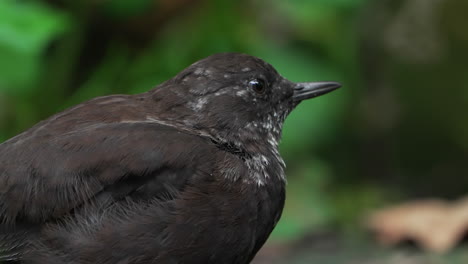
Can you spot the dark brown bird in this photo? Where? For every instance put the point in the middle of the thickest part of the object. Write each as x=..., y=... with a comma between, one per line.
x=188, y=172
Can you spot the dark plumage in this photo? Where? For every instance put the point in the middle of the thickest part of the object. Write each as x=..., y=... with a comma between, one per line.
x=188, y=172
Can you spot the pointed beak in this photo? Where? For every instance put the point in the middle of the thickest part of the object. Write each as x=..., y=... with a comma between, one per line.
x=303, y=91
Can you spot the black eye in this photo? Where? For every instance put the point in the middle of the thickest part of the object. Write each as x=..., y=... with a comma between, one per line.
x=258, y=85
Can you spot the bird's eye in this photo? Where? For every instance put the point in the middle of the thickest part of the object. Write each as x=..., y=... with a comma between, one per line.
x=258, y=85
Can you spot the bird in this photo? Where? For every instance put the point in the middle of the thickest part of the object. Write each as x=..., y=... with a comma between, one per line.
x=187, y=172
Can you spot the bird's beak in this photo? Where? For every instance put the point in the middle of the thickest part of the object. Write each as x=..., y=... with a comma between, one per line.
x=303, y=91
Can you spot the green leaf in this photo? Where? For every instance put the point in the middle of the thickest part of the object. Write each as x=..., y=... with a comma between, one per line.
x=26, y=28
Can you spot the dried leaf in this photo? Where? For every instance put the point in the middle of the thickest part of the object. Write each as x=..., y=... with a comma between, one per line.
x=435, y=225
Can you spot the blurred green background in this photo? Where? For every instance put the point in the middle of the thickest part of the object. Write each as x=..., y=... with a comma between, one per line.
x=397, y=130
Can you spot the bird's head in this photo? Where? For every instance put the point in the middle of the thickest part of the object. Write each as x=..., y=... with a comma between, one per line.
x=235, y=98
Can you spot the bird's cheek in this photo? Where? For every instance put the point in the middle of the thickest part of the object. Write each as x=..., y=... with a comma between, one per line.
x=227, y=112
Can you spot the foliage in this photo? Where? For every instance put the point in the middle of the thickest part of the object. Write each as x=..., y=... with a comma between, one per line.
x=25, y=32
